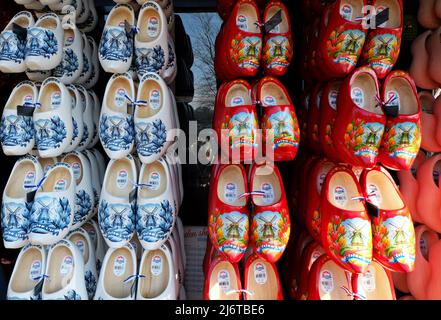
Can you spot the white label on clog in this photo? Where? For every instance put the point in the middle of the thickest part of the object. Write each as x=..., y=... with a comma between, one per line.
x=122, y=178
x=60, y=185
x=270, y=101
x=155, y=99
x=369, y=281
x=346, y=11
x=268, y=190
x=374, y=195
x=56, y=99
x=119, y=266
x=156, y=266
x=333, y=99
x=260, y=273
x=29, y=179
x=237, y=101
x=80, y=244
x=340, y=195
x=242, y=22
x=223, y=278
x=76, y=167
x=326, y=281
x=35, y=270
x=154, y=181
x=393, y=98
x=153, y=27
x=120, y=97
x=230, y=192
x=28, y=99
x=66, y=265
x=357, y=96
x=423, y=247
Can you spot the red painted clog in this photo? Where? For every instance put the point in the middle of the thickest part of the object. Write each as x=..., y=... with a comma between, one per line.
x=311, y=253
x=314, y=119
x=222, y=281
x=375, y=284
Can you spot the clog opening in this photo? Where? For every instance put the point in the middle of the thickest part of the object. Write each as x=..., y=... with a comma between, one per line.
x=238, y=95
x=267, y=182
x=156, y=270
x=46, y=162
x=427, y=239
x=69, y=37
x=151, y=92
x=401, y=90
x=231, y=185
x=80, y=241
x=382, y=192
x=262, y=281
x=118, y=268
x=58, y=180
x=223, y=282
x=60, y=270
x=22, y=22
x=16, y=187
x=29, y=267
x=436, y=173
x=47, y=23
x=331, y=279
x=116, y=100
x=375, y=283
x=394, y=13
x=155, y=176
x=150, y=25
x=246, y=18
x=118, y=16
x=120, y=177
x=77, y=166
x=351, y=9
x=273, y=95
x=50, y=98
x=283, y=27
x=364, y=93
x=21, y=95
x=342, y=190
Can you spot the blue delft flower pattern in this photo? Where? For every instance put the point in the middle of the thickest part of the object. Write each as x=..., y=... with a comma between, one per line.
x=98, y=265
x=75, y=130
x=68, y=66
x=115, y=45
x=85, y=66
x=16, y=131
x=117, y=221
x=150, y=137
x=116, y=132
x=90, y=284
x=149, y=60
x=11, y=47
x=83, y=205
x=72, y=295
x=50, y=133
x=50, y=215
x=85, y=135
x=15, y=221
x=171, y=57
x=154, y=221
x=41, y=43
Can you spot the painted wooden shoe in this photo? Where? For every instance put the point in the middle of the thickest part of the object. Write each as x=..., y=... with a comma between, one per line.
x=94, y=65
x=427, y=15
x=119, y=266
x=96, y=110
x=65, y=272
x=153, y=118
x=314, y=119
x=317, y=176
x=12, y=58
x=84, y=197
x=328, y=110
x=155, y=210
x=86, y=71
x=151, y=42
x=433, y=287
x=375, y=284
x=419, y=279
x=88, y=105
x=222, y=280
x=342, y=37
x=420, y=62
x=429, y=122
x=95, y=178
x=329, y=281
x=92, y=18
x=84, y=243
x=17, y=134
x=77, y=118
x=279, y=122
x=157, y=268
x=72, y=64
x=360, y=123
x=346, y=226
x=178, y=265
x=52, y=212
x=400, y=281
x=228, y=213
x=46, y=163
x=116, y=120
x=392, y=230
x=278, y=45
x=116, y=212
x=28, y=270
x=271, y=225
x=53, y=119
x=116, y=46
x=44, y=47
x=171, y=70
x=38, y=75
x=402, y=137
x=311, y=253
x=101, y=161
x=15, y=207
x=261, y=280
x=99, y=245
